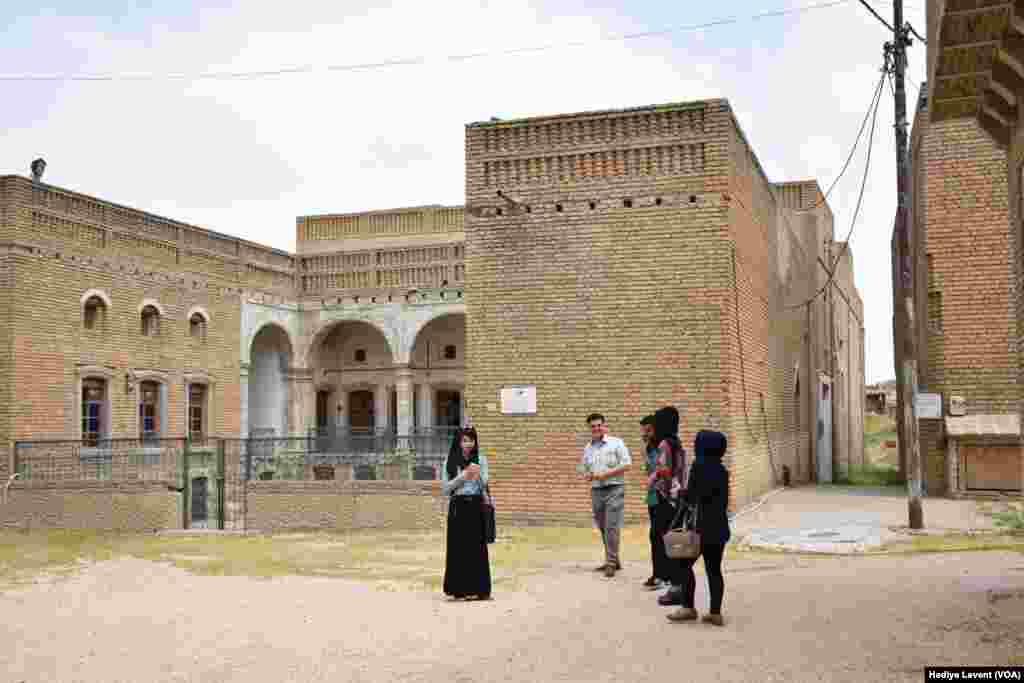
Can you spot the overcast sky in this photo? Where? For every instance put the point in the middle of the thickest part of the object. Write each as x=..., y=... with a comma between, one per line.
x=247, y=156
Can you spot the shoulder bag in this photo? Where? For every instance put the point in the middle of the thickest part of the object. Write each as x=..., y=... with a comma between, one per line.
x=487, y=510
x=682, y=540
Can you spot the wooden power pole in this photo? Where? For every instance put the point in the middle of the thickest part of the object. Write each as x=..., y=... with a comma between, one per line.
x=907, y=374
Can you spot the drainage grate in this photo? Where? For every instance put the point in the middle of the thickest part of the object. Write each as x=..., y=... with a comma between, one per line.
x=823, y=534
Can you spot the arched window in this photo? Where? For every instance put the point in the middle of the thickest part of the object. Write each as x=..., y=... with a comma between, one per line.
x=150, y=319
x=197, y=326
x=360, y=355
x=94, y=312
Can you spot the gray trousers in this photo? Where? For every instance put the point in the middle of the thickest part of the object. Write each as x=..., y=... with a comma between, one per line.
x=609, y=505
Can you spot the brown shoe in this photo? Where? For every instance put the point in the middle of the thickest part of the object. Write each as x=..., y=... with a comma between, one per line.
x=715, y=619
x=601, y=568
x=684, y=614
x=609, y=570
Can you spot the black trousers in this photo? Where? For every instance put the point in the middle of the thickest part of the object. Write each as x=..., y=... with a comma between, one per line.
x=661, y=566
x=713, y=568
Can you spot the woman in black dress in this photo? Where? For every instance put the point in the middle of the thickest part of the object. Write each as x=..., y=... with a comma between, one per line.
x=707, y=490
x=467, y=569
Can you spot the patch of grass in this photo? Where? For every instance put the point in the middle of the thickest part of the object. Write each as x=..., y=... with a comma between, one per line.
x=1012, y=518
x=956, y=543
x=871, y=475
x=388, y=558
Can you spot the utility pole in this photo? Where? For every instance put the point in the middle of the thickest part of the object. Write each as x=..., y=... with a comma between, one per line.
x=908, y=372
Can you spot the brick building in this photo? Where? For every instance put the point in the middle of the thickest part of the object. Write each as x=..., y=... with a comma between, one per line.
x=638, y=258
x=965, y=237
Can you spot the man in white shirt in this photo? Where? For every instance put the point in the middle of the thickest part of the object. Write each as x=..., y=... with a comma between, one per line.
x=605, y=460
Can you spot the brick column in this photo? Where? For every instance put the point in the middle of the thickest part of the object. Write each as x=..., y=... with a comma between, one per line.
x=426, y=406
x=380, y=406
x=243, y=401
x=403, y=389
x=302, y=402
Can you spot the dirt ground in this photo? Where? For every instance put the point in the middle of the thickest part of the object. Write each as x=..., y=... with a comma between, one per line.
x=790, y=618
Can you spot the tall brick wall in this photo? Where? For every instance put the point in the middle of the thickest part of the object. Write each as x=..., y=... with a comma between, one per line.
x=753, y=300
x=608, y=309
x=846, y=349
x=798, y=334
x=1015, y=205
x=967, y=283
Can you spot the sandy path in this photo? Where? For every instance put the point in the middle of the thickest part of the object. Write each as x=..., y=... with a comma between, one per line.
x=790, y=619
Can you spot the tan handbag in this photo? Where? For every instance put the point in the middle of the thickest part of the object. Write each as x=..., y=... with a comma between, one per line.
x=682, y=541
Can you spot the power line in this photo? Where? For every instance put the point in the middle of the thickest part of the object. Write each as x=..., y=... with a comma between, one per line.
x=878, y=16
x=419, y=61
x=914, y=31
x=860, y=198
x=849, y=158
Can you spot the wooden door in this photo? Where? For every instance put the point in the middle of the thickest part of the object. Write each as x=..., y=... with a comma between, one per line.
x=360, y=411
x=992, y=468
x=448, y=405
x=323, y=409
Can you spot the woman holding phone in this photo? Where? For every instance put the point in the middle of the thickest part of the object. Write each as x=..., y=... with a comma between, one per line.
x=467, y=569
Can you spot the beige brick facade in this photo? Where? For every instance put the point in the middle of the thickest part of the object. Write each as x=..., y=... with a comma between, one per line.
x=644, y=259
x=612, y=288
x=966, y=289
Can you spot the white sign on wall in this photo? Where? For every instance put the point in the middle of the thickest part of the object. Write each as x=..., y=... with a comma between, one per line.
x=519, y=400
x=928, y=406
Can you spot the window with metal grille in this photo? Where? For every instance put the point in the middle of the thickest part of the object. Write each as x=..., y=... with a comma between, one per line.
x=196, y=411
x=94, y=398
x=149, y=411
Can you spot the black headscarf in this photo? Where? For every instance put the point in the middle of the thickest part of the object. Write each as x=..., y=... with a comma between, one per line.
x=456, y=458
x=710, y=445
x=666, y=427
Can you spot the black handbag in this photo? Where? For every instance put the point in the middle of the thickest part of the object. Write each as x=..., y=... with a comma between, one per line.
x=487, y=510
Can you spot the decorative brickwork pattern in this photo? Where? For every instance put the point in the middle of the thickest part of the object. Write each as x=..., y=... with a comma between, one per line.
x=967, y=288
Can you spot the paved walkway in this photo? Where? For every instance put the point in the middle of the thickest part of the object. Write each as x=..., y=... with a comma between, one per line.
x=839, y=519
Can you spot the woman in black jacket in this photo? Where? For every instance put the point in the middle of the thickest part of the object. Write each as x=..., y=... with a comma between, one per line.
x=707, y=489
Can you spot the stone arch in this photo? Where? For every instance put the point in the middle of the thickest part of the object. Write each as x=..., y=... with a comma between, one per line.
x=103, y=296
x=197, y=309
x=329, y=327
x=271, y=358
x=353, y=355
x=456, y=335
x=415, y=323
x=155, y=304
